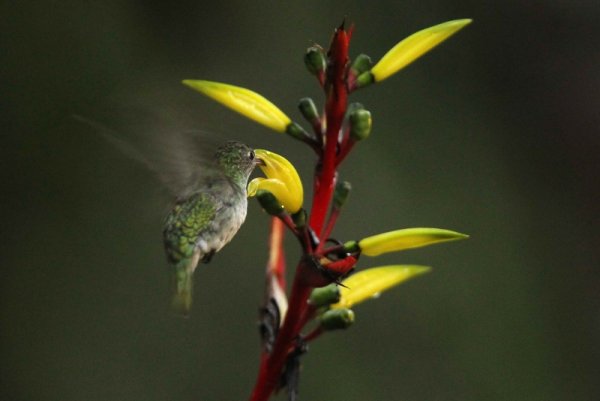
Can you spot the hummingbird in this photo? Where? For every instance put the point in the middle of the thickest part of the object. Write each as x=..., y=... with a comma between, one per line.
x=207, y=217
x=208, y=183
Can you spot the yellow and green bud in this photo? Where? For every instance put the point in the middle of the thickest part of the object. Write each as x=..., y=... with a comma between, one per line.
x=408, y=238
x=370, y=283
x=244, y=101
x=413, y=47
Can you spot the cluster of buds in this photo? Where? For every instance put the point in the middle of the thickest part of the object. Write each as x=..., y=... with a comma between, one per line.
x=324, y=289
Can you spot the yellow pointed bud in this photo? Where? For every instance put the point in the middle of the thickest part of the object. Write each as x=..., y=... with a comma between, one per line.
x=244, y=101
x=282, y=180
x=372, y=282
x=413, y=47
x=407, y=238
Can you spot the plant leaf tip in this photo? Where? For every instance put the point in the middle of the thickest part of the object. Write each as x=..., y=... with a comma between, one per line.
x=461, y=21
x=190, y=82
x=421, y=269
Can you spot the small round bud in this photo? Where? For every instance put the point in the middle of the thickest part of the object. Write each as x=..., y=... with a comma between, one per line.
x=342, y=189
x=336, y=319
x=269, y=202
x=352, y=107
x=325, y=296
x=315, y=60
x=365, y=79
x=351, y=247
x=360, y=124
x=308, y=109
x=361, y=64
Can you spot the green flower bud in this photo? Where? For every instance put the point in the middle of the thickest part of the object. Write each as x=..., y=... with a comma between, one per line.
x=308, y=109
x=360, y=124
x=361, y=64
x=325, y=296
x=336, y=319
x=269, y=202
x=365, y=79
x=351, y=247
x=296, y=131
x=342, y=189
x=315, y=60
x=352, y=107
x=299, y=218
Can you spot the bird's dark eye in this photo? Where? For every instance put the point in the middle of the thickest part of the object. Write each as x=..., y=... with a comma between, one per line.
x=251, y=155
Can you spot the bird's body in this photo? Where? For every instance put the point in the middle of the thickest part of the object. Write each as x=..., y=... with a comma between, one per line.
x=206, y=219
x=209, y=191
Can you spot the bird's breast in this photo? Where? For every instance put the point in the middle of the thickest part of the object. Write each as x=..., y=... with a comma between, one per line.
x=225, y=225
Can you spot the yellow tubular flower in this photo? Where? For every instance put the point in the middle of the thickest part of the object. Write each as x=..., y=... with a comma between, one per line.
x=282, y=180
x=413, y=47
x=408, y=238
x=244, y=101
x=370, y=283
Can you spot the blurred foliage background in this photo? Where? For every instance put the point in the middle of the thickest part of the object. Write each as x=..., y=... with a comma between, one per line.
x=494, y=133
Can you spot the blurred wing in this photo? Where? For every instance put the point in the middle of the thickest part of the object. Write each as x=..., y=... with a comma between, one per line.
x=181, y=159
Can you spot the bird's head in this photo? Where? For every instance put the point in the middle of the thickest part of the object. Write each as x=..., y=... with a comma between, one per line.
x=237, y=161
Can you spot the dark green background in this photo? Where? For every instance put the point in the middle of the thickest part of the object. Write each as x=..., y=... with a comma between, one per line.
x=495, y=134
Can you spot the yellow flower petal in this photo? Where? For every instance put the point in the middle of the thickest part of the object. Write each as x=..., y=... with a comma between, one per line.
x=273, y=185
x=408, y=238
x=413, y=47
x=370, y=283
x=244, y=101
x=282, y=180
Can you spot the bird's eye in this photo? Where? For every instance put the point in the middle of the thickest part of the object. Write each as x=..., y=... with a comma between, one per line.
x=251, y=155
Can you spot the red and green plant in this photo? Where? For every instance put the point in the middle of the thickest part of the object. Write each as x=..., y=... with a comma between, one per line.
x=324, y=287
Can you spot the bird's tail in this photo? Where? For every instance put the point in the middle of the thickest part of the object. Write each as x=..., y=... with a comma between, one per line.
x=182, y=291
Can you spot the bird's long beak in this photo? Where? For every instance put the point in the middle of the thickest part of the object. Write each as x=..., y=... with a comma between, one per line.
x=260, y=162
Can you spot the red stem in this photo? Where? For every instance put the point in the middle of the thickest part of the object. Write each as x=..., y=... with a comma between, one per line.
x=335, y=108
x=270, y=368
x=346, y=148
x=313, y=334
x=276, y=265
x=306, y=277
x=329, y=227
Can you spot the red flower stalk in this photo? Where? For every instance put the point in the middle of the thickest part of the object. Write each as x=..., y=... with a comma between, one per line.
x=308, y=274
